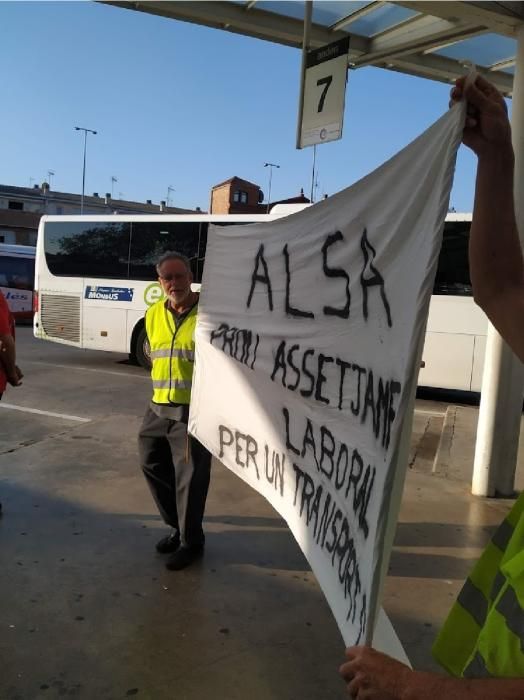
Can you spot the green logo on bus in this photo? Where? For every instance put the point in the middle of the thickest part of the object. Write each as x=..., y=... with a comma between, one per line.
x=153, y=293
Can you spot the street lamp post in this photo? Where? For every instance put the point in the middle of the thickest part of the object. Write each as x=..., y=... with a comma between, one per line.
x=313, y=173
x=270, y=166
x=81, y=128
x=50, y=174
x=113, y=180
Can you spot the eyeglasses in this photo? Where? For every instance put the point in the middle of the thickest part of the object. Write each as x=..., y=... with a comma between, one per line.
x=170, y=278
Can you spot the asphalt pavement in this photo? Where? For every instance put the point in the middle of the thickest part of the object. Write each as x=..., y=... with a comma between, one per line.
x=89, y=611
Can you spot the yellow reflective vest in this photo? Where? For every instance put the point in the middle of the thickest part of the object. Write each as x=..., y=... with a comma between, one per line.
x=172, y=353
x=483, y=635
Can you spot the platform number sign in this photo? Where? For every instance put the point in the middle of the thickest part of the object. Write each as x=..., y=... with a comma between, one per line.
x=324, y=94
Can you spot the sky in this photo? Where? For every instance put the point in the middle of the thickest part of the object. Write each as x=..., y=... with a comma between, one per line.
x=184, y=106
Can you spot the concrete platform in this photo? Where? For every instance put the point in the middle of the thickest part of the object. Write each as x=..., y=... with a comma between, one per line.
x=88, y=609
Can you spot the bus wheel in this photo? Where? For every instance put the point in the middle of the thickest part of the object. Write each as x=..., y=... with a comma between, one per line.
x=142, y=350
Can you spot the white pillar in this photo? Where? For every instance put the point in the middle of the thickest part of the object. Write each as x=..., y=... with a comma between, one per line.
x=503, y=379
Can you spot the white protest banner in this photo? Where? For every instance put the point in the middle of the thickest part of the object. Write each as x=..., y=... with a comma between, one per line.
x=308, y=337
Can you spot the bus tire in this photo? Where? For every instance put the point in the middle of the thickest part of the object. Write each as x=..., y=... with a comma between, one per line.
x=141, y=349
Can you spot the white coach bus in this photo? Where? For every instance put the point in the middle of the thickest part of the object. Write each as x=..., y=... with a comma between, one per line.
x=95, y=277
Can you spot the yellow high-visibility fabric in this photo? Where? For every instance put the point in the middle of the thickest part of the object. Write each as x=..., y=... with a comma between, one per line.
x=484, y=633
x=172, y=353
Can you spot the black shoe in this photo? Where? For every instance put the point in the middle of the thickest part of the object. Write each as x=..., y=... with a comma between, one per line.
x=184, y=556
x=169, y=544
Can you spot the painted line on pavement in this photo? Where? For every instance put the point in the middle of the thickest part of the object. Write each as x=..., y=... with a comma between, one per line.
x=86, y=369
x=64, y=416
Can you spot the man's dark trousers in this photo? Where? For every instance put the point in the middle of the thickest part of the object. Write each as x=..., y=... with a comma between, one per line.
x=177, y=473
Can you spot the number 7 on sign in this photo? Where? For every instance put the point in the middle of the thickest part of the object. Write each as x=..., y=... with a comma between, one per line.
x=326, y=82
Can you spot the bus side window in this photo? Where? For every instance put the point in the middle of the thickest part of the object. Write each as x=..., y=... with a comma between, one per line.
x=452, y=276
x=150, y=240
x=87, y=249
x=17, y=273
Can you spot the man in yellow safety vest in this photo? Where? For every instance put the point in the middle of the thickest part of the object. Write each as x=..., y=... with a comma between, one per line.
x=175, y=464
x=482, y=641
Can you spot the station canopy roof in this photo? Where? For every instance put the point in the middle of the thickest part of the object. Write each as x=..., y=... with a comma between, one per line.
x=428, y=39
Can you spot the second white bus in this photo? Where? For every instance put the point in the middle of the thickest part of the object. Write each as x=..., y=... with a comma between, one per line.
x=17, y=275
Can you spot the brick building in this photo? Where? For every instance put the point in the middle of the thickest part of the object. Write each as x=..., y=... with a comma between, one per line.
x=238, y=196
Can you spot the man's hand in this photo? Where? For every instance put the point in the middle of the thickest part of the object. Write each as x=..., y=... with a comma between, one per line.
x=15, y=379
x=487, y=127
x=371, y=675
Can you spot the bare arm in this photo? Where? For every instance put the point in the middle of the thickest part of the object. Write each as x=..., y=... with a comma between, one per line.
x=371, y=675
x=495, y=255
x=8, y=359
x=497, y=276
x=424, y=685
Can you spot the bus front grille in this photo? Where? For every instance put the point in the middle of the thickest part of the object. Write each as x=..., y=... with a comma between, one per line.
x=60, y=316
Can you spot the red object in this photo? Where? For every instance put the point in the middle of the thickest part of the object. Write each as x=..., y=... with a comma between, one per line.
x=35, y=302
x=7, y=327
